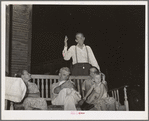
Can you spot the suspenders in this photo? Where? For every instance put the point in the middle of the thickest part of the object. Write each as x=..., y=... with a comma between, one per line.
x=77, y=57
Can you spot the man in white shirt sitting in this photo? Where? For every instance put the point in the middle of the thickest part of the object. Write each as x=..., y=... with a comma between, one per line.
x=82, y=56
x=64, y=91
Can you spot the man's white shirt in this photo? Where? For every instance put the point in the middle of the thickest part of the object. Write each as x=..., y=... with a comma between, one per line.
x=81, y=55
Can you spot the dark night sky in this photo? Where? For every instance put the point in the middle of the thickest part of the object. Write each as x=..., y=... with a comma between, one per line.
x=116, y=35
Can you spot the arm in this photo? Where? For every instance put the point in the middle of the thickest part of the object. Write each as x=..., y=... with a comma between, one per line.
x=57, y=89
x=73, y=85
x=34, y=95
x=92, y=97
x=101, y=91
x=105, y=84
x=66, y=54
x=67, y=84
x=88, y=93
x=92, y=58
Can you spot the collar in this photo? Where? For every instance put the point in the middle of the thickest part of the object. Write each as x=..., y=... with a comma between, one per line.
x=83, y=45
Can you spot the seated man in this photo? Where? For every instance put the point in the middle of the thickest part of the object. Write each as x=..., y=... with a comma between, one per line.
x=87, y=84
x=98, y=95
x=64, y=91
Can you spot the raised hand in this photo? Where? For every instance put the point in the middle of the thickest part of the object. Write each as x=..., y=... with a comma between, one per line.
x=66, y=39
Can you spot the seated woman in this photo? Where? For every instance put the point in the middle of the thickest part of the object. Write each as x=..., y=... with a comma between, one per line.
x=32, y=100
x=98, y=96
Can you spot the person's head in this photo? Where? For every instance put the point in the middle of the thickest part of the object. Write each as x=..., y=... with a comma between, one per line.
x=64, y=73
x=25, y=76
x=97, y=78
x=80, y=38
x=94, y=71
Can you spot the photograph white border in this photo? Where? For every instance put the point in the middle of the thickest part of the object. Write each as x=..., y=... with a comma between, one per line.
x=65, y=115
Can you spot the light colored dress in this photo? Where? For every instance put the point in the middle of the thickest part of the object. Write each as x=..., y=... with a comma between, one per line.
x=30, y=103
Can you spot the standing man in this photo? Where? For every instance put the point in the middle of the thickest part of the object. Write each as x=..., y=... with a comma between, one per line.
x=82, y=56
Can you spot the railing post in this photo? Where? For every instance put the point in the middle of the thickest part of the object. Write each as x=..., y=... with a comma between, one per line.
x=113, y=94
x=6, y=104
x=11, y=106
x=125, y=97
x=42, y=88
x=118, y=95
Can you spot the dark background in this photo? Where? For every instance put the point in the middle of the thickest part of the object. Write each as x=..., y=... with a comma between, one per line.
x=115, y=33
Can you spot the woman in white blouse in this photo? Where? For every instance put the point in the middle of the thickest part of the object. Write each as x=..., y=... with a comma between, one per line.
x=82, y=56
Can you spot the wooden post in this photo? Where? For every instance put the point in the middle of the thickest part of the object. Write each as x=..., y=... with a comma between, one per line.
x=78, y=85
x=42, y=88
x=51, y=88
x=38, y=84
x=46, y=88
x=126, y=101
x=6, y=104
x=118, y=95
x=113, y=94
x=11, y=106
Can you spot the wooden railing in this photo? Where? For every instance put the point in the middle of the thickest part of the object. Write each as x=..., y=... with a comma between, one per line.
x=44, y=83
x=115, y=93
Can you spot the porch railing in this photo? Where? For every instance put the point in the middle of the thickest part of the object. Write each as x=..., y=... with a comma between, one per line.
x=44, y=83
x=115, y=93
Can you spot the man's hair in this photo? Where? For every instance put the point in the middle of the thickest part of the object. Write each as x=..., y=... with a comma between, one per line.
x=79, y=33
x=64, y=68
x=96, y=70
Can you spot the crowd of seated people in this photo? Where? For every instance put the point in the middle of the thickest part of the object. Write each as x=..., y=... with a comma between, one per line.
x=64, y=92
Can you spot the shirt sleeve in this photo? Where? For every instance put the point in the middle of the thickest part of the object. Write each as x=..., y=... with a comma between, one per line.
x=54, y=85
x=92, y=59
x=67, y=54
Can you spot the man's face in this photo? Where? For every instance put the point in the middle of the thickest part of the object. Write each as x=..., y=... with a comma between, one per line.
x=80, y=39
x=64, y=75
x=92, y=74
x=97, y=78
x=26, y=75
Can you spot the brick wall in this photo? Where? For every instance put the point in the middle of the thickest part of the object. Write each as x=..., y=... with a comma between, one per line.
x=20, y=38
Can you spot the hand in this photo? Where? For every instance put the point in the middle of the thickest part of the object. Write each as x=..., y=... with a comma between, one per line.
x=84, y=98
x=66, y=39
x=104, y=82
x=93, y=86
x=67, y=84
